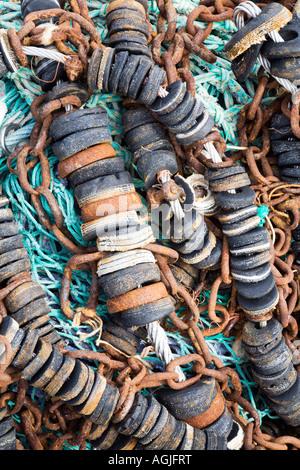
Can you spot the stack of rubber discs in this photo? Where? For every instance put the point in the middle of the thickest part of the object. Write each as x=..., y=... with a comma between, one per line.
x=149, y=425
x=284, y=57
x=127, y=74
x=25, y=303
x=273, y=369
x=286, y=147
x=249, y=243
x=124, y=339
x=131, y=282
x=111, y=209
x=152, y=152
x=59, y=375
x=183, y=114
x=127, y=26
x=48, y=71
x=147, y=140
x=253, y=39
x=7, y=431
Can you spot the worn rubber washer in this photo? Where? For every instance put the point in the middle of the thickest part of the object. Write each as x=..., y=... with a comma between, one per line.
x=75, y=383
x=124, y=14
x=98, y=187
x=24, y=355
x=293, y=172
x=60, y=90
x=252, y=275
x=9, y=229
x=132, y=22
x=272, y=17
x=275, y=384
x=134, y=417
x=255, y=290
x=23, y=295
x=181, y=111
x=32, y=310
x=284, y=146
x=150, y=417
x=78, y=120
x=243, y=197
x=133, y=48
x=213, y=259
x=243, y=64
x=192, y=243
x=290, y=34
x=94, y=65
x=11, y=243
x=230, y=182
x=107, y=439
x=128, y=5
x=289, y=159
x=203, y=126
x=14, y=268
x=190, y=120
x=140, y=316
x=164, y=436
x=149, y=164
x=116, y=71
x=127, y=279
x=275, y=360
x=144, y=135
x=166, y=104
x=222, y=426
x=108, y=166
x=74, y=143
x=125, y=78
x=259, y=305
x=200, y=254
x=137, y=298
x=42, y=352
x=129, y=36
x=106, y=405
x=242, y=226
x=65, y=371
x=85, y=391
x=150, y=89
x=13, y=255
x=90, y=404
x=138, y=77
x=136, y=117
x=187, y=440
x=86, y=157
x=191, y=401
x=174, y=440
x=199, y=440
x=237, y=215
x=259, y=234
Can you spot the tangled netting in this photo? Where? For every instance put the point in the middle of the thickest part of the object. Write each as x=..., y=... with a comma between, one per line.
x=223, y=97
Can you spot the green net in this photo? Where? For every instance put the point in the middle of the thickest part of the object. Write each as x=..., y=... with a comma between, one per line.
x=223, y=97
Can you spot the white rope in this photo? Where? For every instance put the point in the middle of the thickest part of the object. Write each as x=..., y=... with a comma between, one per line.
x=159, y=339
x=44, y=53
x=253, y=10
